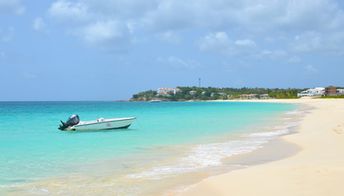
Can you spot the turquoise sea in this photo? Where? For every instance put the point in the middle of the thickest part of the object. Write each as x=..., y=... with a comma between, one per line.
x=193, y=135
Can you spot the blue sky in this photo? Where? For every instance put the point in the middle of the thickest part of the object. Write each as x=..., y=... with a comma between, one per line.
x=110, y=49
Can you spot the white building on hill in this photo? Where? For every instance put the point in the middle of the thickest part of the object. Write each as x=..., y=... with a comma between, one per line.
x=312, y=92
x=340, y=91
x=167, y=91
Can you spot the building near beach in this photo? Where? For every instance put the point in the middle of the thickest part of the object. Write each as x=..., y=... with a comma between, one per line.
x=312, y=92
x=254, y=96
x=248, y=96
x=331, y=91
x=264, y=96
x=340, y=91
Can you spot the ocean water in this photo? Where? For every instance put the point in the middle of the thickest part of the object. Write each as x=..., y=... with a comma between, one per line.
x=166, y=139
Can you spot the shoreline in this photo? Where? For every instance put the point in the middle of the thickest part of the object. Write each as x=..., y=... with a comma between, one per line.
x=261, y=155
x=53, y=185
x=316, y=169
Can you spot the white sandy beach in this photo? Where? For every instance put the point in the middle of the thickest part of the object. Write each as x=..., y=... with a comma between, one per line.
x=317, y=169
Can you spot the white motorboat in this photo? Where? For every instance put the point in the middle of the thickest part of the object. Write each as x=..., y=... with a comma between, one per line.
x=74, y=124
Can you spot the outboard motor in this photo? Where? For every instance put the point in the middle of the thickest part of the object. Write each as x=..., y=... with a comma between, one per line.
x=72, y=120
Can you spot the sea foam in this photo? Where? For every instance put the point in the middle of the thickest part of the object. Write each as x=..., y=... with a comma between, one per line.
x=202, y=156
x=213, y=154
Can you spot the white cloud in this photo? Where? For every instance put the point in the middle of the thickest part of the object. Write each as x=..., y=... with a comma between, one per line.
x=273, y=54
x=217, y=41
x=252, y=15
x=69, y=11
x=170, y=37
x=312, y=15
x=121, y=8
x=178, y=63
x=131, y=26
x=319, y=42
x=104, y=33
x=169, y=15
x=306, y=42
x=247, y=18
x=245, y=43
x=173, y=15
x=12, y=6
x=256, y=17
x=93, y=22
x=38, y=24
x=294, y=59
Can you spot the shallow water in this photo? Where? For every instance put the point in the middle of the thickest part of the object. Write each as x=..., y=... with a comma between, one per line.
x=168, y=138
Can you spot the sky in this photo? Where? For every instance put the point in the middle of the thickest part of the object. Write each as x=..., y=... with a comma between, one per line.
x=110, y=49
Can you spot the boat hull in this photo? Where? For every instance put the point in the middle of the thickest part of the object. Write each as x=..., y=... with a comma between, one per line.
x=120, y=123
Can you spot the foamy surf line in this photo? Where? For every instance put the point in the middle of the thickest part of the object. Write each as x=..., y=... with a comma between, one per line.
x=213, y=154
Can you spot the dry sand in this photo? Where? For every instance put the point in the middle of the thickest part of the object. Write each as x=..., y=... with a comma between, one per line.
x=317, y=169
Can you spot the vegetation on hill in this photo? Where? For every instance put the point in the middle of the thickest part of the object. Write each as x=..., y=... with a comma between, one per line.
x=211, y=93
x=145, y=95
